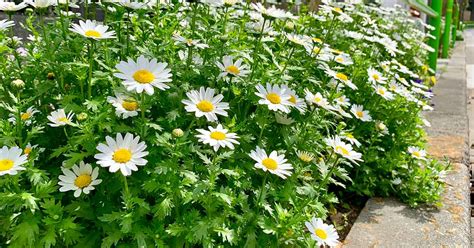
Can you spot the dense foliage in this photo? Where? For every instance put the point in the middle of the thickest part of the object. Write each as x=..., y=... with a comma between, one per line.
x=253, y=120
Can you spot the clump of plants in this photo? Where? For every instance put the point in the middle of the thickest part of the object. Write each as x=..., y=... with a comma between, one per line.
x=213, y=123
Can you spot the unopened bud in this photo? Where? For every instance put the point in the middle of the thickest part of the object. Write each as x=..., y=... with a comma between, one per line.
x=177, y=132
x=18, y=83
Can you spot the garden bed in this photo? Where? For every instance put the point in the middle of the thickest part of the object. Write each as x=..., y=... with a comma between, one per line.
x=209, y=124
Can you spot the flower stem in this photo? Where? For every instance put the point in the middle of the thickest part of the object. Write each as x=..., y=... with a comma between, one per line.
x=256, y=49
x=143, y=109
x=125, y=185
x=91, y=65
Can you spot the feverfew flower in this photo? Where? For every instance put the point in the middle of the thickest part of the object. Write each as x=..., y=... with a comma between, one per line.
x=382, y=91
x=81, y=179
x=274, y=96
x=143, y=75
x=318, y=99
x=323, y=234
x=122, y=153
x=26, y=117
x=229, y=68
x=39, y=4
x=124, y=106
x=189, y=42
x=4, y=24
x=361, y=114
x=11, y=6
x=204, y=103
x=375, y=76
x=90, y=29
x=273, y=163
x=295, y=100
x=417, y=152
x=341, y=77
x=59, y=118
x=218, y=137
x=305, y=156
x=272, y=12
x=11, y=160
x=343, y=149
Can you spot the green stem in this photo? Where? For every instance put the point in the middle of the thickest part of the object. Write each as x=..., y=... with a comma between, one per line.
x=125, y=185
x=91, y=65
x=287, y=60
x=143, y=109
x=260, y=194
x=19, y=121
x=256, y=49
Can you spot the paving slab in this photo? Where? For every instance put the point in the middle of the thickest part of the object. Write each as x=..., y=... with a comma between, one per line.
x=386, y=222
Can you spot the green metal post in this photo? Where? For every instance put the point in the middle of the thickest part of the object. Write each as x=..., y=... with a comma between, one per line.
x=455, y=23
x=436, y=5
x=447, y=28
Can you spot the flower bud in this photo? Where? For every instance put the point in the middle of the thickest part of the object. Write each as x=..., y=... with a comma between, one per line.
x=177, y=132
x=18, y=83
x=82, y=116
x=50, y=75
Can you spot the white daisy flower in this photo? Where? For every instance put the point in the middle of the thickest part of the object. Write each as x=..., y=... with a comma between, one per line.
x=361, y=114
x=189, y=42
x=274, y=96
x=81, y=179
x=11, y=160
x=218, y=137
x=90, y=29
x=342, y=101
x=123, y=153
x=124, y=106
x=59, y=118
x=204, y=103
x=349, y=137
x=318, y=99
x=417, y=152
x=299, y=39
x=229, y=68
x=274, y=163
x=343, y=149
x=133, y=5
x=25, y=117
x=305, y=156
x=382, y=91
x=324, y=234
x=183, y=55
x=143, y=75
x=295, y=100
x=272, y=12
x=343, y=59
x=375, y=76
x=11, y=6
x=341, y=77
x=39, y=4
x=4, y=24
x=29, y=148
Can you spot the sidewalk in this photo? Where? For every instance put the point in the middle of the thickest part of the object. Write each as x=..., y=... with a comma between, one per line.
x=389, y=223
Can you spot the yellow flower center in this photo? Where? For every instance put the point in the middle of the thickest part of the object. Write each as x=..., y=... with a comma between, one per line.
x=305, y=157
x=205, y=106
x=349, y=135
x=292, y=99
x=143, y=76
x=317, y=40
x=271, y=164
x=122, y=155
x=273, y=98
x=130, y=105
x=232, y=69
x=342, y=76
x=342, y=150
x=6, y=164
x=433, y=79
x=381, y=91
x=83, y=181
x=92, y=33
x=25, y=116
x=63, y=119
x=321, y=233
x=27, y=150
x=218, y=135
x=339, y=59
x=360, y=114
x=317, y=99
x=189, y=42
x=416, y=154
x=316, y=50
x=338, y=10
x=337, y=51
x=375, y=77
